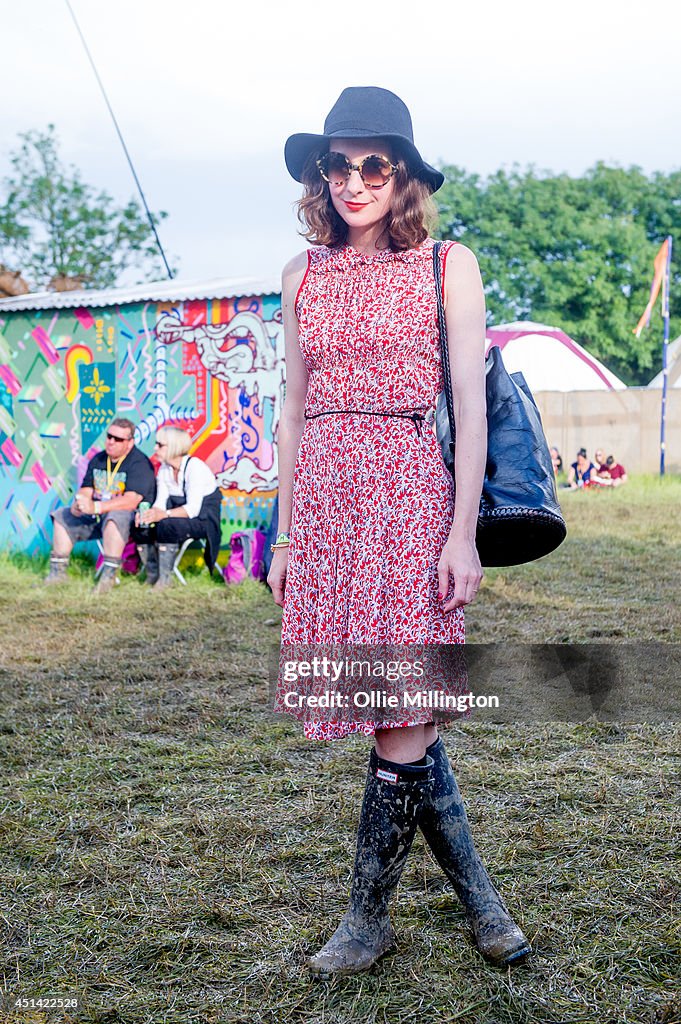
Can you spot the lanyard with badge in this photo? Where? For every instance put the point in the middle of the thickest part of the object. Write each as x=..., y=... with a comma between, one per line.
x=110, y=477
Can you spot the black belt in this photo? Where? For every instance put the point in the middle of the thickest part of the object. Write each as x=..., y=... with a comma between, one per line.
x=417, y=418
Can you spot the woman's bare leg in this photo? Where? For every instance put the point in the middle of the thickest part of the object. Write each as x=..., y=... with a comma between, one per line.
x=404, y=746
x=430, y=733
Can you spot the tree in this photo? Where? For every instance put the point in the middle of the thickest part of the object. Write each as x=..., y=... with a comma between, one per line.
x=52, y=223
x=576, y=253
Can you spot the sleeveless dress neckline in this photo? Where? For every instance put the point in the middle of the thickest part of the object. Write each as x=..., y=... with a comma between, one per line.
x=357, y=255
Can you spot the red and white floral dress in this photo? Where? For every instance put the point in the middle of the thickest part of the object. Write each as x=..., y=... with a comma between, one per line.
x=372, y=500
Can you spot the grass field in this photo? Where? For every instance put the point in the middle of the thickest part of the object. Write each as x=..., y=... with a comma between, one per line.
x=171, y=851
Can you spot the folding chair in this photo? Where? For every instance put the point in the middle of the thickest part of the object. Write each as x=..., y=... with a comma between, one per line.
x=100, y=547
x=178, y=558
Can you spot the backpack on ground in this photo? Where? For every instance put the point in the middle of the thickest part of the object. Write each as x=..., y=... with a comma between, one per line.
x=246, y=559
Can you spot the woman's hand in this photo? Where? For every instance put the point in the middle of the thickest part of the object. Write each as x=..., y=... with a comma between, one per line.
x=459, y=559
x=277, y=575
x=151, y=515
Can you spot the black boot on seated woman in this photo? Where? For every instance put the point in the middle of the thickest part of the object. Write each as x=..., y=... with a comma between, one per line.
x=444, y=824
x=167, y=553
x=149, y=558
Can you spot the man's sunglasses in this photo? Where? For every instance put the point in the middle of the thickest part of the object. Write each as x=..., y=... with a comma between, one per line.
x=375, y=171
x=113, y=437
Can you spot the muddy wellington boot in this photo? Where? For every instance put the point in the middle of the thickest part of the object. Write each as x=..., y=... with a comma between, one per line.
x=58, y=567
x=149, y=555
x=108, y=575
x=444, y=824
x=393, y=797
x=167, y=553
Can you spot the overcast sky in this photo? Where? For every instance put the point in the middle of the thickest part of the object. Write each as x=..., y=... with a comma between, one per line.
x=207, y=92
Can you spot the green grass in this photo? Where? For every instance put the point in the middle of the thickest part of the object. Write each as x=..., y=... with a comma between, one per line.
x=171, y=851
x=615, y=577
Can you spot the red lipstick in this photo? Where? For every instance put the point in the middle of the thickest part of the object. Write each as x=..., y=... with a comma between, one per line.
x=354, y=206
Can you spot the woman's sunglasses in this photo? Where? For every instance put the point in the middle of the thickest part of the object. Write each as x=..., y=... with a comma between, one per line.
x=375, y=171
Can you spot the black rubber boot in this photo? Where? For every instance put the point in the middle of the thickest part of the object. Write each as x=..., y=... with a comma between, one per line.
x=108, y=575
x=149, y=555
x=167, y=553
x=58, y=567
x=444, y=824
x=393, y=796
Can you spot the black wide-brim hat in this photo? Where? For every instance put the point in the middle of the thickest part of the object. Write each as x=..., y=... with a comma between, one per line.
x=364, y=112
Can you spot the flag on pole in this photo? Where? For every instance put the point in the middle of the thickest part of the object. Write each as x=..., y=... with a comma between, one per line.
x=659, y=279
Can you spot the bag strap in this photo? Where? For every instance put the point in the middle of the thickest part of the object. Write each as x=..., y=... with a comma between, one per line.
x=444, y=350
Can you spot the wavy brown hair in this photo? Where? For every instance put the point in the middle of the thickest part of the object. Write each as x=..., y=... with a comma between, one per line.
x=412, y=215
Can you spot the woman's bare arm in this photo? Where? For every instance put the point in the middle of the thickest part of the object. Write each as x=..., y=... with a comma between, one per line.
x=292, y=420
x=466, y=329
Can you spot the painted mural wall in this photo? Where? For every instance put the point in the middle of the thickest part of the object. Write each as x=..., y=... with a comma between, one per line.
x=214, y=367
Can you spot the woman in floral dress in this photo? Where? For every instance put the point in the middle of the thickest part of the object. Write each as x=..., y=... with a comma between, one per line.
x=372, y=548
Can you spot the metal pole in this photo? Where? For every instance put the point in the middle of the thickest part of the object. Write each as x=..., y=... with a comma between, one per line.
x=122, y=141
x=665, y=346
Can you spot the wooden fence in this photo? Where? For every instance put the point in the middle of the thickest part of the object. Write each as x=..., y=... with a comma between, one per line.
x=625, y=424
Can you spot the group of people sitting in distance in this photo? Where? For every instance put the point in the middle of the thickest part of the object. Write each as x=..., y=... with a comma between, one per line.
x=122, y=499
x=604, y=472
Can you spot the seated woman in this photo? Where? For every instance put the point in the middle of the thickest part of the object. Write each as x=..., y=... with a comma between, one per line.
x=582, y=472
x=612, y=473
x=556, y=461
x=187, y=505
x=616, y=471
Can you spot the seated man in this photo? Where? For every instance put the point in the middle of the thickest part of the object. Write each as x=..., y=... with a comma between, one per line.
x=115, y=482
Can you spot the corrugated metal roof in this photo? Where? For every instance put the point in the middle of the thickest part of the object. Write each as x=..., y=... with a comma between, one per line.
x=153, y=291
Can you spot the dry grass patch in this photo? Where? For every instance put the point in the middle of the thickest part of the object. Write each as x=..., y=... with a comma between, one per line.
x=170, y=851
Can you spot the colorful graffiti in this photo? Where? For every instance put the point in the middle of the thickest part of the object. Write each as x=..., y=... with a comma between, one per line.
x=212, y=366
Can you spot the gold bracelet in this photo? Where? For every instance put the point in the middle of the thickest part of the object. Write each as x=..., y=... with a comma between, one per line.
x=279, y=544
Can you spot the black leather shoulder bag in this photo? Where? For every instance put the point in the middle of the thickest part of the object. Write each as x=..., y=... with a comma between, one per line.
x=520, y=518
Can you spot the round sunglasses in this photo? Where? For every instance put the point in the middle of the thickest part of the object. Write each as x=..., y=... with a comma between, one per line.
x=374, y=170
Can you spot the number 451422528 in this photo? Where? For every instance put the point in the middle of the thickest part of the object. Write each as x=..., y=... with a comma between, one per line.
x=46, y=1003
